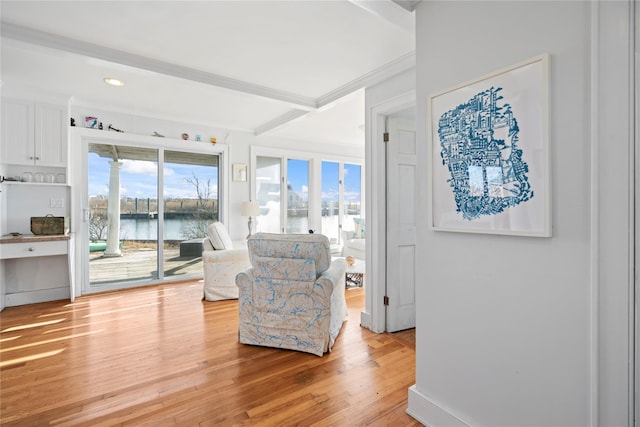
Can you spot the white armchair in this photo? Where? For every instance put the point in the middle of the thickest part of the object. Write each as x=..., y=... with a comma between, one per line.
x=353, y=242
x=222, y=260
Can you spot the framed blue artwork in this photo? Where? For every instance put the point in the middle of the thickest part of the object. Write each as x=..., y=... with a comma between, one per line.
x=490, y=153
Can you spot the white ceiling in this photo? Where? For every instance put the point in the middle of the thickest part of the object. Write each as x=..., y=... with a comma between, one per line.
x=292, y=69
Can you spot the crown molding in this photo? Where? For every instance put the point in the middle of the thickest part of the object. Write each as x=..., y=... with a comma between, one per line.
x=66, y=44
x=372, y=78
x=380, y=74
x=395, y=13
x=280, y=121
x=300, y=104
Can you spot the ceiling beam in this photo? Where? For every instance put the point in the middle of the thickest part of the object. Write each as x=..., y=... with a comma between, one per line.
x=66, y=44
x=390, y=12
x=379, y=75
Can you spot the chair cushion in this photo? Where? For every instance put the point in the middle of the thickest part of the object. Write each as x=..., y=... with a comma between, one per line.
x=300, y=246
x=219, y=236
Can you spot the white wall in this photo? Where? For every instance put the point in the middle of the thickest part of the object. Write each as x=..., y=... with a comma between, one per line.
x=532, y=331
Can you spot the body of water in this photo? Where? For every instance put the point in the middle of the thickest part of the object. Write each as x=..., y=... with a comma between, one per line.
x=147, y=229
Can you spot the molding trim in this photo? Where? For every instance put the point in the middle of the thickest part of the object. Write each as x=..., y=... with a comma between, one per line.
x=377, y=76
x=393, y=12
x=32, y=297
x=375, y=205
x=374, y=77
x=54, y=41
x=429, y=412
x=280, y=121
x=300, y=103
x=594, y=252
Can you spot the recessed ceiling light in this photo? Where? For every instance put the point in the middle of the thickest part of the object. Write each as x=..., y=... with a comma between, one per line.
x=113, y=82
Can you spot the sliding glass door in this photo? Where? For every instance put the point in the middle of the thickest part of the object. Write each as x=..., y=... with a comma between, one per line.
x=190, y=188
x=135, y=239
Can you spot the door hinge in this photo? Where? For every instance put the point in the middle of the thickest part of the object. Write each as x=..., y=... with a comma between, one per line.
x=386, y=300
x=385, y=137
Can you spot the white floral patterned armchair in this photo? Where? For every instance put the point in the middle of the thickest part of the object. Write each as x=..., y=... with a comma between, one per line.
x=293, y=296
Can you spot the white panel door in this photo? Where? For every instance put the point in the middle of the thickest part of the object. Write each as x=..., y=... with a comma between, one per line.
x=401, y=224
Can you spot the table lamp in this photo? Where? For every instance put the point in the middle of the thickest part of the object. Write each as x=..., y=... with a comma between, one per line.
x=250, y=209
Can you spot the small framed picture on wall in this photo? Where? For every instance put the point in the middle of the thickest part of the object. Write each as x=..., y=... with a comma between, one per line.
x=239, y=171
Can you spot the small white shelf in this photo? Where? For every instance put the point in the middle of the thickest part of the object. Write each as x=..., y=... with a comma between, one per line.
x=60, y=184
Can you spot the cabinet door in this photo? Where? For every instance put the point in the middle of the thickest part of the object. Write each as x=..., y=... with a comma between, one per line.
x=18, y=132
x=51, y=135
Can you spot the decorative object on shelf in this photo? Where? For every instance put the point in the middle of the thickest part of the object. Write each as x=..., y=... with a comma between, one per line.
x=10, y=179
x=250, y=209
x=100, y=126
x=27, y=177
x=198, y=138
x=38, y=177
x=61, y=178
x=49, y=177
x=185, y=136
x=114, y=129
x=350, y=260
x=490, y=153
x=157, y=134
x=239, y=172
x=73, y=121
x=49, y=225
x=213, y=140
x=91, y=122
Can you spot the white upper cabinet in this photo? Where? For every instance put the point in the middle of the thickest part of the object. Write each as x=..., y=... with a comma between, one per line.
x=33, y=134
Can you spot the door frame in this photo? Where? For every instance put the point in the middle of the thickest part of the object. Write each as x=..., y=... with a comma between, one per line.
x=78, y=174
x=374, y=316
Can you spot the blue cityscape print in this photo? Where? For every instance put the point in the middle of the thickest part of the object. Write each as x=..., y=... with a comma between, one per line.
x=488, y=174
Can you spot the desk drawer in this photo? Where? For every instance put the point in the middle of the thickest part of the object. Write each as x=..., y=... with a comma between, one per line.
x=32, y=249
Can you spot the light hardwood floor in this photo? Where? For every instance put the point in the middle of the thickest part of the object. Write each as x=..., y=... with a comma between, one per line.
x=161, y=356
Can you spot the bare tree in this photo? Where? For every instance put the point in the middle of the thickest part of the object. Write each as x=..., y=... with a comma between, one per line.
x=203, y=190
x=97, y=228
x=204, y=214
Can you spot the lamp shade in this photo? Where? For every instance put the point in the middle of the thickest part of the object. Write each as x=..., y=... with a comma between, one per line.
x=250, y=209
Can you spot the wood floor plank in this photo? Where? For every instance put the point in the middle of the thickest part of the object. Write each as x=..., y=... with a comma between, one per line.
x=160, y=356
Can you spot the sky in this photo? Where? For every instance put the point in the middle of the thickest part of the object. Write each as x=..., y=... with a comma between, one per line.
x=139, y=178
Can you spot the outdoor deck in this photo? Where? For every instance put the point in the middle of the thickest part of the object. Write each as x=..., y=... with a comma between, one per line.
x=140, y=263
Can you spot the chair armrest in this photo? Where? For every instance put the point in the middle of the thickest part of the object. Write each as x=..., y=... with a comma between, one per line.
x=332, y=276
x=226, y=255
x=243, y=282
x=348, y=235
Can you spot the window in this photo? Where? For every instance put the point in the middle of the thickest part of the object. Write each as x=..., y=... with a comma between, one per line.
x=298, y=192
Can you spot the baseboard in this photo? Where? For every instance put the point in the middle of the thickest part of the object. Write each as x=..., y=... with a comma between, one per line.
x=365, y=320
x=430, y=413
x=31, y=297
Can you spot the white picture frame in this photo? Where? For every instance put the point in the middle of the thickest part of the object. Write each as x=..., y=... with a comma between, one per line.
x=489, y=150
x=239, y=172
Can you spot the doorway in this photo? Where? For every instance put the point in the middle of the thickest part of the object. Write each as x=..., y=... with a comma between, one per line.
x=401, y=196
x=378, y=271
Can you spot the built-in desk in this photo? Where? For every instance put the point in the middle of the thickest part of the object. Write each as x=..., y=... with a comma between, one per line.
x=37, y=268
